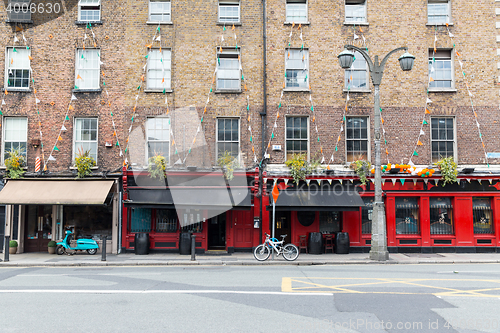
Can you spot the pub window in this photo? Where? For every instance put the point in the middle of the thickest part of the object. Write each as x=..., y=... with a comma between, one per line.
x=407, y=217
x=329, y=222
x=140, y=220
x=165, y=220
x=441, y=216
x=192, y=221
x=367, y=216
x=482, y=216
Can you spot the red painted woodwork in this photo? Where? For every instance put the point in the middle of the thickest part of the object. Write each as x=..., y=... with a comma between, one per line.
x=390, y=217
x=425, y=226
x=242, y=228
x=298, y=229
x=464, y=230
x=351, y=223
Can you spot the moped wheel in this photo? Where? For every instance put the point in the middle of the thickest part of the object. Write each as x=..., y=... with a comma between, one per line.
x=290, y=252
x=261, y=252
x=60, y=250
x=92, y=251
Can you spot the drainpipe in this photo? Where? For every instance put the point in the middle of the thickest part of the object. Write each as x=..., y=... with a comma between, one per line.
x=263, y=114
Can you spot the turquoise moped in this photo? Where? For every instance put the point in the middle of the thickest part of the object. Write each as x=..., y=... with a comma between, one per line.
x=88, y=245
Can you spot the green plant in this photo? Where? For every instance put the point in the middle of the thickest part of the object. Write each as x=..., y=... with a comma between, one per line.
x=448, y=169
x=228, y=163
x=12, y=243
x=156, y=166
x=300, y=167
x=14, y=164
x=52, y=244
x=84, y=163
x=362, y=169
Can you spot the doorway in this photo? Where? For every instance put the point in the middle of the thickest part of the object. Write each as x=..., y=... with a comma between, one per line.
x=38, y=230
x=283, y=225
x=217, y=232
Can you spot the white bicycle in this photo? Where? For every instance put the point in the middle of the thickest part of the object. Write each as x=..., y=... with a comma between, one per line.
x=262, y=252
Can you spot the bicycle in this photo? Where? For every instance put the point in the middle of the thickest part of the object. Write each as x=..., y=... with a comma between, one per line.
x=262, y=252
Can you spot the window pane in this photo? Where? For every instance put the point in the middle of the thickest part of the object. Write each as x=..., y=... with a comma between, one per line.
x=407, y=216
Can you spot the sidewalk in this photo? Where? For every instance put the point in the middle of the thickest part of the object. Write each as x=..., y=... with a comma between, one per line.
x=130, y=259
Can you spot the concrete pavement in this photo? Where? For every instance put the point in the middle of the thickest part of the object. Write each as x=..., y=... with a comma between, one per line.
x=130, y=259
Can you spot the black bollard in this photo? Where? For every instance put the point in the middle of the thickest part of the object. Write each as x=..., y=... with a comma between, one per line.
x=6, y=251
x=193, y=247
x=103, y=257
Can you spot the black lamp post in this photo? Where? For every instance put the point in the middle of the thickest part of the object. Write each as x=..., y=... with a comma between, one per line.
x=378, y=249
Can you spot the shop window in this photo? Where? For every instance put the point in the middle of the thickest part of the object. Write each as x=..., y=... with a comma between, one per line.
x=407, y=216
x=296, y=136
x=159, y=70
x=17, y=68
x=441, y=216
x=89, y=221
x=165, y=220
x=357, y=139
x=15, y=135
x=140, y=219
x=297, y=69
x=329, y=222
x=367, y=215
x=482, y=216
x=192, y=221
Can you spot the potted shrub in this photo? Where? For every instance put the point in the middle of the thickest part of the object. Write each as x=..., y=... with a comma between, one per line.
x=362, y=169
x=156, y=166
x=12, y=247
x=228, y=163
x=52, y=247
x=448, y=169
x=84, y=163
x=14, y=164
x=300, y=167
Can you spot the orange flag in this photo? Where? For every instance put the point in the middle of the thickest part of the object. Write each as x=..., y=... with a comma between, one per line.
x=70, y=107
x=431, y=79
x=419, y=143
x=427, y=111
x=30, y=58
x=278, y=115
x=162, y=80
x=386, y=151
x=232, y=27
x=19, y=28
x=34, y=90
x=253, y=149
x=59, y=138
x=314, y=118
x=79, y=77
x=114, y=133
x=275, y=192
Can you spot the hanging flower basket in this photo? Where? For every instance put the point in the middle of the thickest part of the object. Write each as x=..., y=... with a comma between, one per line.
x=156, y=166
x=14, y=164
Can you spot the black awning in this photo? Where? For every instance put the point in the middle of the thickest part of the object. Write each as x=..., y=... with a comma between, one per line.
x=318, y=201
x=198, y=198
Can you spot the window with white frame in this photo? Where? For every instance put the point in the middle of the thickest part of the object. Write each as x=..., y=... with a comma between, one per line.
x=228, y=137
x=440, y=69
x=158, y=134
x=438, y=11
x=229, y=11
x=160, y=11
x=89, y=10
x=442, y=138
x=297, y=136
x=19, y=10
x=17, y=68
x=158, y=75
x=15, y=135
x=356, y=77
x=87, y=68
x=296, y=11
x=297, y=68
x=228, y=69
x=85, y=137
x=356, y=138
x=355, y=11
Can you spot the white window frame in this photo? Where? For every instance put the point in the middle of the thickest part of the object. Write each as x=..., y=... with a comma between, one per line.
x=19, y=11
x=228, y=53
x=367, y=139
x=166, y=15
x=432, y=3
x=5, y=122
x=349, y=72
x=449, y=59
x=165, y=61
x=304, y=57
x=83, y=4
x=308, y=135
x=352, y=4
x=229, y=3
x=289, y=5
x=227, y=141
x=9, y=52
x=167, y=141
x=85, y=77
x=439, y=140
x=76, y=142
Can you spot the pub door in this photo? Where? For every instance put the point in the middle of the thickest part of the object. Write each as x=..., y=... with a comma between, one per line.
x=217, y=232
x=38, y=231
x=283, y=225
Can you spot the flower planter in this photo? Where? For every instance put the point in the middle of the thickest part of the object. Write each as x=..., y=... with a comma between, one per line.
x=12, y=250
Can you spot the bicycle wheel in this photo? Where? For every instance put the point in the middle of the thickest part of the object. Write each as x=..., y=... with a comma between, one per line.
x=261, y=252
x=290, y=252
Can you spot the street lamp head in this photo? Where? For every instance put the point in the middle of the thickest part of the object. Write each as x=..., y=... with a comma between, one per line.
x=346, y=59
x=406, y=61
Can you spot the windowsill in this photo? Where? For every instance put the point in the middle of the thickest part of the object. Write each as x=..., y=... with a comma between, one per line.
x=228, y=24
x=3, y=167
x=20, y=21
x=228, y=91
x=439, y=24
x=87, y=22
x=296, y=90
x=75, y=168
x=25, y=90
x=159, y=22
x=356, y=23
x=98, y=90
x=442, y=90
x=296, y=23
x=157, y=90
x=357, y=90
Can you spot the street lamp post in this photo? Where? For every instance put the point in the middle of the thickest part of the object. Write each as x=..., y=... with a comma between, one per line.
x=378, y=249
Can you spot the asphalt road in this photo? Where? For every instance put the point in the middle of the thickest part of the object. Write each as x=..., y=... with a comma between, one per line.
x=350, y=298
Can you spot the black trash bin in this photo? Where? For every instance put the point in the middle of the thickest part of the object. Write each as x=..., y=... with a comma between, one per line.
x=185, y=243
x=315, y=243
x=342, y=243
x=141, y=242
